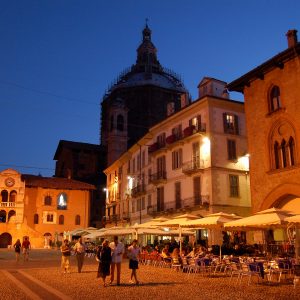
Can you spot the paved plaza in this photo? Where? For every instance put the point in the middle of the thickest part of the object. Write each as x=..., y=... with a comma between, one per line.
x=41, y=278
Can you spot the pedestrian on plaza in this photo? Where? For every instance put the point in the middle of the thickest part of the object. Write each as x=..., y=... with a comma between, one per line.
x=17, y=246
x=133, y=255
x=79, y=249
x=25, y=248
x=104, y=258
x=117, y=249
x=65, y=256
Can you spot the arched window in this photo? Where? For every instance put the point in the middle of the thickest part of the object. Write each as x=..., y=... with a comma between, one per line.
x=62, y=201
x=35, y=219
x=291, y=151
x=2, y=216
x=4, y=196
x=48, y=200
x=276, y=155
x=274, y=101
x=11, y=214
x=283, y=153
x=120, y=123
x=12, y=196
x=111, y=123
x=77, y=220
x=61, y=220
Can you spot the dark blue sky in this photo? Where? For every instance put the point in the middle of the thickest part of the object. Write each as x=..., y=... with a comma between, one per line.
x=59, y=56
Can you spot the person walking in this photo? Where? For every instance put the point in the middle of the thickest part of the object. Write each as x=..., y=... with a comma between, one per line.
x=25, y=248
x=117, y=249
x=133, y=255
x=104, y=258
x=17, y=246
x=65, y=257
x=79, y=249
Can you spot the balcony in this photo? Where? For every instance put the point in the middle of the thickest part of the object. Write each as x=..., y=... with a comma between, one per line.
x=112, y=219
x=190, y=130
x=156, y=146
x=182, y=205
x=193, y=166
x=139, y=190
x=160, y=177
x=173, y=138
x=8, y=204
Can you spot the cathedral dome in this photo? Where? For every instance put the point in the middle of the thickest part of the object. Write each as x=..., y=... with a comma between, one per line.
x=147, y=70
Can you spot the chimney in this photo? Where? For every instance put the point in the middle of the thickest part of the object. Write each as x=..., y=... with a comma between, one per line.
x=292, y=38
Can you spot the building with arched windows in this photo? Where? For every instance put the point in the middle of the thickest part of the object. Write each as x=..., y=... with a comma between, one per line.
x=272, y=109
x=41, y=208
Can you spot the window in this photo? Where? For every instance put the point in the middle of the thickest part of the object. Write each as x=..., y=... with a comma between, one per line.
x=133, y=165
x=197, y=190
x=176, y=159
x=120, y=123
x=111, y=123
x=143, y=203
x=149, y=201
x=161, y=140
x=143, y=158
x=138, y=162
x=35, y=219
x=48, y=200
x=284, y=153
x=133, y=206
x=234, y=185
x=62, y=201
x=178, y=195
x=77, y=220
x=160, y=198
x=231, y=123
x=61, y=220
x=138, y=204
x=149, y=175
x=231, y=149
x=4, y=196
x=274, y=101
x=128, y=167
x=49, y=218
x=177, y=132
x=12, y=196
x=195, y=122
x=161, y=166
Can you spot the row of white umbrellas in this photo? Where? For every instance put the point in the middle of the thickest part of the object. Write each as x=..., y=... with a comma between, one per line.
x=270, y=218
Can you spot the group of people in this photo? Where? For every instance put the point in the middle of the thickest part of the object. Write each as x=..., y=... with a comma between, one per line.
x=24, y=246
x=109, y=256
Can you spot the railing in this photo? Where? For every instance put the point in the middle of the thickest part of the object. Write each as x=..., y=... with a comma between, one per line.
x=158, y=177
x=182, y=205
x=8, y=204
x=193, y=166
x=138, y=190
x=190, y=130
x=173, y=138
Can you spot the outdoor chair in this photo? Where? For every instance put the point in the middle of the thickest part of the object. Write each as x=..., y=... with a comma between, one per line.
x=249, y=271
x=175, y=264
x=296, y=275
x=185, y=265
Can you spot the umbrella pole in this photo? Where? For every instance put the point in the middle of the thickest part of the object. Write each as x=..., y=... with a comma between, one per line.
x=180, y=241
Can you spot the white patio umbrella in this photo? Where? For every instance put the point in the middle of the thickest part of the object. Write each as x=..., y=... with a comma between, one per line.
x=151, y=223
x=95, y=234
x=293, y=219
x=212, y=221
x=269, y=218
x=177, y=222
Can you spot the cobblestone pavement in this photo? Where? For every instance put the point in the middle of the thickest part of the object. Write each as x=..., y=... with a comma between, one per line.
x=41, y=278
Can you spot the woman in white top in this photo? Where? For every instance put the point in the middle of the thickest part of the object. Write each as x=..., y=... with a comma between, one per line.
x=133, y=254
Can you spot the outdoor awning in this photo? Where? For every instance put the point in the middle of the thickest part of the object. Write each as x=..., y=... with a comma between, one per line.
x=270, y=218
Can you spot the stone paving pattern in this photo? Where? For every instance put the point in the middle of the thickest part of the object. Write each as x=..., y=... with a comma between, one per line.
x=156, y=283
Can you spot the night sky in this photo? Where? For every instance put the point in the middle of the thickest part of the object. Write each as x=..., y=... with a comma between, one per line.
x=58, y=57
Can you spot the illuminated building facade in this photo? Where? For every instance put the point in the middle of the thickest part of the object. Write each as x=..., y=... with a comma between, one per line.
x=272, y=110
x=41, y=208
x=194, y=161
